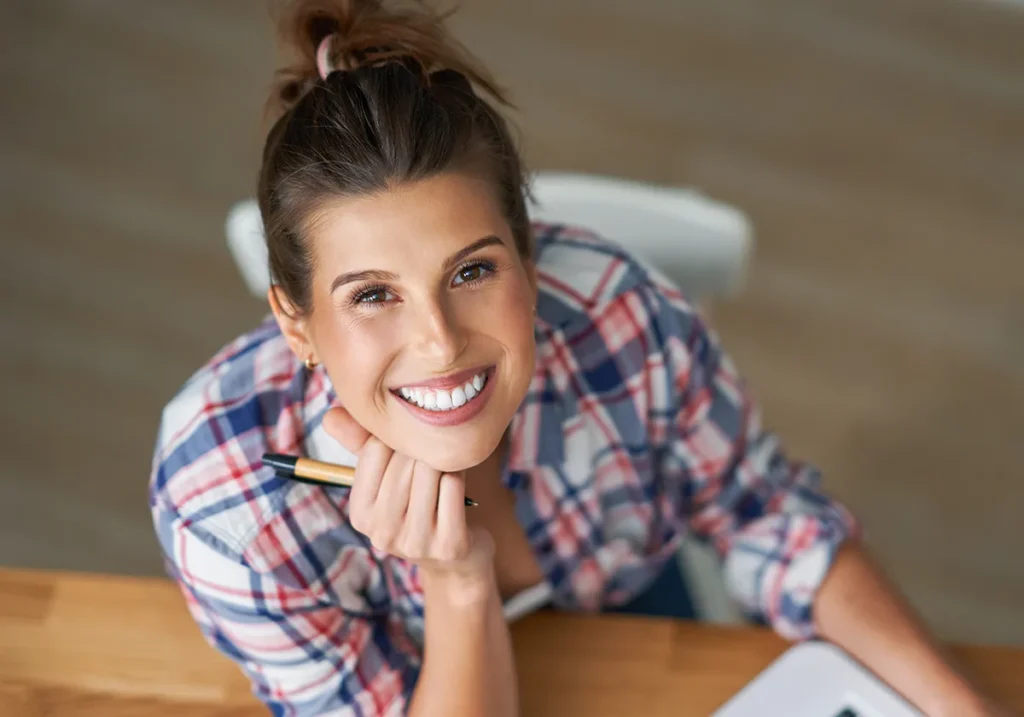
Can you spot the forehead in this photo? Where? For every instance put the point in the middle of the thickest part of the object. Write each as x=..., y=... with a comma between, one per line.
x=407, y=224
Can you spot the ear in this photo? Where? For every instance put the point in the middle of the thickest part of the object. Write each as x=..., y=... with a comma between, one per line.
x=291, y=323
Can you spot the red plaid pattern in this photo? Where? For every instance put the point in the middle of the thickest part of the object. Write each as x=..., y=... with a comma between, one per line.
x=635, y=431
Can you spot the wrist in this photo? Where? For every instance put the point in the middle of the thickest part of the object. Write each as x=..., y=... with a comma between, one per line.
x=468, y=581
x=463, y=585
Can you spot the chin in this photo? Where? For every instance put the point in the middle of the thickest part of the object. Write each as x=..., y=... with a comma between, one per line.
x=450, y=451
x=455, y=458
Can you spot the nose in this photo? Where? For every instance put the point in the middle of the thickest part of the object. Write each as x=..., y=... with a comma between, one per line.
x=438, y=337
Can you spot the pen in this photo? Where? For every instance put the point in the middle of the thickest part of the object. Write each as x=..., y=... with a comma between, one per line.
x=307, y=470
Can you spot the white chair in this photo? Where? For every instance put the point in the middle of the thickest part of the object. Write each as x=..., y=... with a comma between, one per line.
x=702, y=245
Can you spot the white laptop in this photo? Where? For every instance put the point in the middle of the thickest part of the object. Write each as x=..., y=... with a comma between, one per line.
x=816, y=679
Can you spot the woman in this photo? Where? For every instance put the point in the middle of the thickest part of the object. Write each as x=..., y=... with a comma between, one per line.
x=423, y=328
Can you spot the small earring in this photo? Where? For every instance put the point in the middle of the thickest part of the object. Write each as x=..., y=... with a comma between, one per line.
x=310, y=363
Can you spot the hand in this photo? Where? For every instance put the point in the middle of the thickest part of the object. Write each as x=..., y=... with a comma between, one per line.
x=408, y=509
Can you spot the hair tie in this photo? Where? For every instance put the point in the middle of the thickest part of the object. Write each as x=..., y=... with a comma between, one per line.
x=323, y=57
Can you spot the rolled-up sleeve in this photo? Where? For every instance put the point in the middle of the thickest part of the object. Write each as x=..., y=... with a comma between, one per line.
x=304, y=654
x=765, y=514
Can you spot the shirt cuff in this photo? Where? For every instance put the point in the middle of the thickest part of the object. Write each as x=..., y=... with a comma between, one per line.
x=776, y=565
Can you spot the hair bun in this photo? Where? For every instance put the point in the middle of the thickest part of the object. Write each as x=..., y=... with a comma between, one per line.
x=451, y=78
x=369, y=32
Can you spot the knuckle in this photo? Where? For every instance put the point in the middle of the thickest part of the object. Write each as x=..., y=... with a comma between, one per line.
x=410, y=547
x=449, y=548
x=383, y=539
x=359, y=514
x=381, y=451
x=357, y=519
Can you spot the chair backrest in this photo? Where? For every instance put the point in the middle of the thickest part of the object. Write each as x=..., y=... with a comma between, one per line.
x=701, y=245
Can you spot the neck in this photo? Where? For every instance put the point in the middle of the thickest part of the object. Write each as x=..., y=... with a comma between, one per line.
x=486, y=477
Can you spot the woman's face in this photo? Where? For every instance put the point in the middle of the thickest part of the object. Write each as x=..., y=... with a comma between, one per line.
x=423, y=317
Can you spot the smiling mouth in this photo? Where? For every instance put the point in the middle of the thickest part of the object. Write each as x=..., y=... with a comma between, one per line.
x=442, y=400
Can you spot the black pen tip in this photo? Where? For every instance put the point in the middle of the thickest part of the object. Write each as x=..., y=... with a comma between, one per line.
x=280, y=462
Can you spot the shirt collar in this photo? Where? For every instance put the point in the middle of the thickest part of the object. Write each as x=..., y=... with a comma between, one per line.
x=536, y=435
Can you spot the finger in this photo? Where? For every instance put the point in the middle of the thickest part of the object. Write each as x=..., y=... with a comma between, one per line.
x=373, y=461
x=421, y=516
x=392, y=501
x=340, y=426
x=450, y=536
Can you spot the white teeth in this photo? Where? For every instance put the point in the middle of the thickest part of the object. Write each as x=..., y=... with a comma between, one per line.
x=458, y=397
x=442, y=400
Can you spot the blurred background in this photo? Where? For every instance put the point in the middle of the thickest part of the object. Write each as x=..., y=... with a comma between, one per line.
x=877, y=146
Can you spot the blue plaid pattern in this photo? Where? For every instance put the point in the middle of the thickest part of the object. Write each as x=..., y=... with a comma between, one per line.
x=636, y=431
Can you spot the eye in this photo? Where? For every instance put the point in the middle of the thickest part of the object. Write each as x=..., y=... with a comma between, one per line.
x=373, y=295
x=472, y=272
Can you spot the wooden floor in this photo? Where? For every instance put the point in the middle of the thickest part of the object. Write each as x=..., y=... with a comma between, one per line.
x=877, y=146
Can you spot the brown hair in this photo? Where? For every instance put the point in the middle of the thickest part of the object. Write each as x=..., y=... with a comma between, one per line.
x=402, y=109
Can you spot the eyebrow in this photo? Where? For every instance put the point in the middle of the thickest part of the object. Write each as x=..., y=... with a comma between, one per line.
x=379, y=275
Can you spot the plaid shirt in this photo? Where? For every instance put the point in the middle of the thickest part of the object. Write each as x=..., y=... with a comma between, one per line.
x=635, y=431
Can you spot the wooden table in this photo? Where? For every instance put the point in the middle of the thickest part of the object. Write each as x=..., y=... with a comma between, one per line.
x=75, y=645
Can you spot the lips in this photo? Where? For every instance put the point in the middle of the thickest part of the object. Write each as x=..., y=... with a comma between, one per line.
x=445, y=399
x=449, y=401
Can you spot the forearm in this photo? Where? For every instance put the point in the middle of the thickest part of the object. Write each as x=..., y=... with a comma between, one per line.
x=860, y=611
x=468, y=667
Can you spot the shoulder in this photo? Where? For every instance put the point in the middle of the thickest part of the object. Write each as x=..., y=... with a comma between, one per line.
x=590, y=286
x=207, y=465
x=621, y=348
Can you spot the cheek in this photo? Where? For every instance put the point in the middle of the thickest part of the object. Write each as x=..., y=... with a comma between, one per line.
x=356, y=355
x=506, y=314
